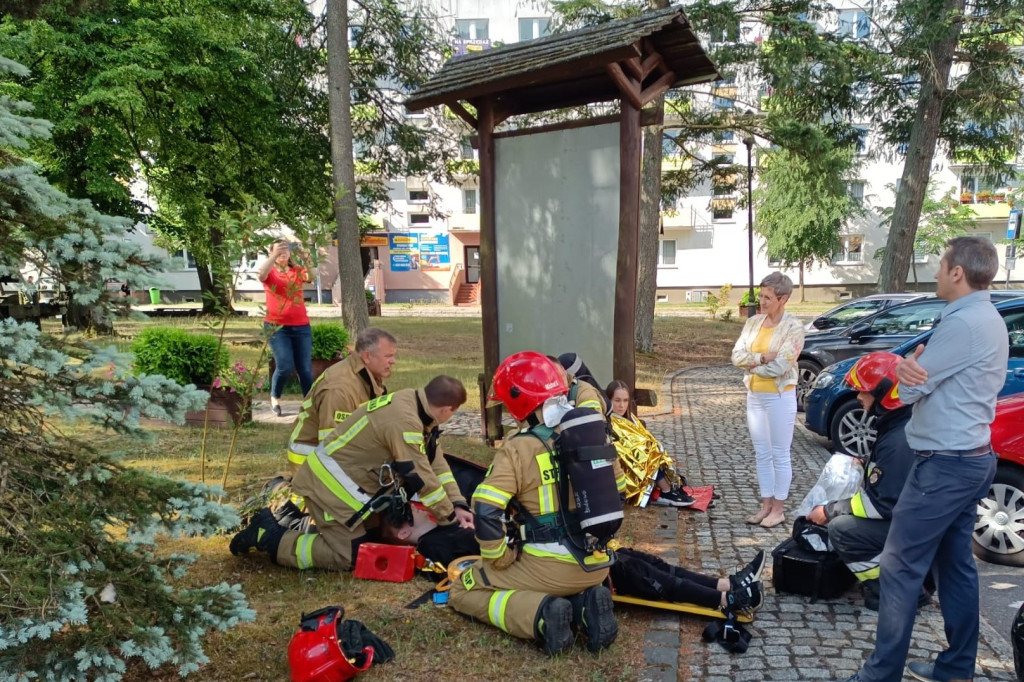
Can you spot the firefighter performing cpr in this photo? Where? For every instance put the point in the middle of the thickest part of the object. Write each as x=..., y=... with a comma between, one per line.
x=371, y=463
x=540, y=576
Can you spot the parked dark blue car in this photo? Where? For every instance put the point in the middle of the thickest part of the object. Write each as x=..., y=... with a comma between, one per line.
x=831, y=408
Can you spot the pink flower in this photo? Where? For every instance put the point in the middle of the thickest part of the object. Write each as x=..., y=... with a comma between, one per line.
x=216, y=382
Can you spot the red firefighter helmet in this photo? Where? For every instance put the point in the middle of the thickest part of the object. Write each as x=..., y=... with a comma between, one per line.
x=315, y=655
x=525, y=380
x=875, y=373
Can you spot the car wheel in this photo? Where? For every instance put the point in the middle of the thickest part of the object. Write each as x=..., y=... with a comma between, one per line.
x=806, y=376
x=999, y=528
x=853, y=430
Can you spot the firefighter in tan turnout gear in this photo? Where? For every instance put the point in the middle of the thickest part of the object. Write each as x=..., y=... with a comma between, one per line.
x=372, y=459
x=340, y=390
x=537, y=585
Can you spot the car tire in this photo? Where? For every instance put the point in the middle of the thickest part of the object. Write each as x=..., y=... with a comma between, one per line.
x=999, y=530
x=852, y=430
x=807, y=373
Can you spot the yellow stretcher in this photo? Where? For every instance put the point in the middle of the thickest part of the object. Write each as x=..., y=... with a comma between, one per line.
x=682, y=607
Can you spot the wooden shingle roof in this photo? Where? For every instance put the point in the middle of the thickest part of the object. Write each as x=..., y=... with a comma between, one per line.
x=569, y=69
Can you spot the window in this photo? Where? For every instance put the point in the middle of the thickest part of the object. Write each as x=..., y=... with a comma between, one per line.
x=724, y=30
x=722, y=209
x=418, y=196
x=722, y=160
x=667, y=252
x=354, y=32
x=774, y=260
x=469, y=201
x=184, y=260
x=669, y=147
x=920, y=254
x=910, y=319
x=854, y=23
x=419, y=219
x=856, y=191
x=1014, y=320
x=724, y=103
x=851, y=250
x=724, y=136
x=466, y=151
x=862, y=139
x=534, y=28
x=472, y=29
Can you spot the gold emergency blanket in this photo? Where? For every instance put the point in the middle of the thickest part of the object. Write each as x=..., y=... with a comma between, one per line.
x=641, y=456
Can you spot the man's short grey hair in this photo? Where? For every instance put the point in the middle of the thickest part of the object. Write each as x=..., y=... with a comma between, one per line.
x=779, y=283
x=977, y=256
x=369, y=339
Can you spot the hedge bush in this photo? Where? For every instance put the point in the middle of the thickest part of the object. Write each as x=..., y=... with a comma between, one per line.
x=329, y=339
x=179, y=355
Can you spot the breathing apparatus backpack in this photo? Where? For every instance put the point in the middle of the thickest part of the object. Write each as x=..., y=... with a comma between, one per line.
x=589, y=507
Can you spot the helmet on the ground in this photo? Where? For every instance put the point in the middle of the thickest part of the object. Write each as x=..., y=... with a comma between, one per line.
x=315, y=655
x=525, y=380
x=875, y=373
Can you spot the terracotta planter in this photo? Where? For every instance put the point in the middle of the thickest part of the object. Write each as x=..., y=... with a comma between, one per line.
x=743, y=311
x=319, y=367
x=225, y=408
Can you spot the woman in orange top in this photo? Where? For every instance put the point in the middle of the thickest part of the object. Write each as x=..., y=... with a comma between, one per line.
x=292, y=340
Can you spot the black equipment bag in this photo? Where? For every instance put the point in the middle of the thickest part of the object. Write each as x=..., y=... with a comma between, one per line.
x=820, y=575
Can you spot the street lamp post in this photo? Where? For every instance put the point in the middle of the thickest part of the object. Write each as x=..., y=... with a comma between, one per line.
x=751, y=303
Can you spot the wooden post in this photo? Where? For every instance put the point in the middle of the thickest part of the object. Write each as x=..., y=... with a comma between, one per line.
x=488, y=262
x=624, y=340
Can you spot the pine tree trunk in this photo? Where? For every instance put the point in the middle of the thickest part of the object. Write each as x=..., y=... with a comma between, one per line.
x=650, y=224
x=801, y=282
x=346, y=214
x=924, y=133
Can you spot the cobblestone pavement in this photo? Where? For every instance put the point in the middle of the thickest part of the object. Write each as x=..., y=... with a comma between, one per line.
x=704, y=425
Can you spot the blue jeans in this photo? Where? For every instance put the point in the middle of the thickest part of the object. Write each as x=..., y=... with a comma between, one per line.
x=932, y=522
x=292, y=347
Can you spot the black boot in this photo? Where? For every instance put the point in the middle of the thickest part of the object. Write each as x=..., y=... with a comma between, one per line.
x=872, y=591
x=263, y=534
x=592, y=616
x=554, y=625
x=745, y=599
x=749, y=574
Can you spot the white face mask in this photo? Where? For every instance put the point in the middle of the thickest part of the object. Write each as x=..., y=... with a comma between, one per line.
x=554, y=409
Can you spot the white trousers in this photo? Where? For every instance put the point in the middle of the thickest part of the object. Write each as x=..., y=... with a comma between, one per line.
x=770, y=418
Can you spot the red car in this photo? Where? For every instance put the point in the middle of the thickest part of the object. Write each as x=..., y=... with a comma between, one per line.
x=999, y=530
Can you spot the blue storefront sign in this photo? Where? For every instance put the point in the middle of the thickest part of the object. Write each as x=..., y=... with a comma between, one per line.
x=434, y=252
x=405, y=252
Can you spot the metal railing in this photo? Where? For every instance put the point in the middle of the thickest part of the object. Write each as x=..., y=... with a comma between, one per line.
x=453, y=281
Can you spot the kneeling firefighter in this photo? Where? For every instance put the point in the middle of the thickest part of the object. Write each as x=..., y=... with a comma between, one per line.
x=540, y=576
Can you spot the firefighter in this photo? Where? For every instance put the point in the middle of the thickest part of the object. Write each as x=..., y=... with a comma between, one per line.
x=858, y=526
x=531, y=589
x=340, y=390
x=376, y=455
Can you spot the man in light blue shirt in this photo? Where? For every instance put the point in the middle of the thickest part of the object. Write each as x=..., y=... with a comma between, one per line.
x=953, y=385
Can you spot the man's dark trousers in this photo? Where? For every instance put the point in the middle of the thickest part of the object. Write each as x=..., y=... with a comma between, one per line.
x=933, y=520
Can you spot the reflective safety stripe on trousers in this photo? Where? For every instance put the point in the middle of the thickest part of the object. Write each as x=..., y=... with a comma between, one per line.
x=336, y=480
x=497, y=606
x=304, y=551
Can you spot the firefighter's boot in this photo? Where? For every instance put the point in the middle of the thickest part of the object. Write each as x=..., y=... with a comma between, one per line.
x=554, y=625
x=593, y=617
x=263, y=534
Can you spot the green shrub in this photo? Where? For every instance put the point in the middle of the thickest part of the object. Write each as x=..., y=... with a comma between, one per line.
x=746, y=296
x=329, y=339
x=370, y=297
x=179, y=355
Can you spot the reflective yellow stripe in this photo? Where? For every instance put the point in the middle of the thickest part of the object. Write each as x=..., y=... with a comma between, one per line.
x=296, y=458
x=304, y=551
x=344, y=439
x=491, y=495
x=323, y=433
x=446, y=478
x=337, y=481
x=550, y=550
x=867, y=574
x=433, y=497
x=857, y=505
x=496, y=608
x=620, y=483
x=592, y=404
x=495, y=553
x=412, y=438
x=546, y=499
